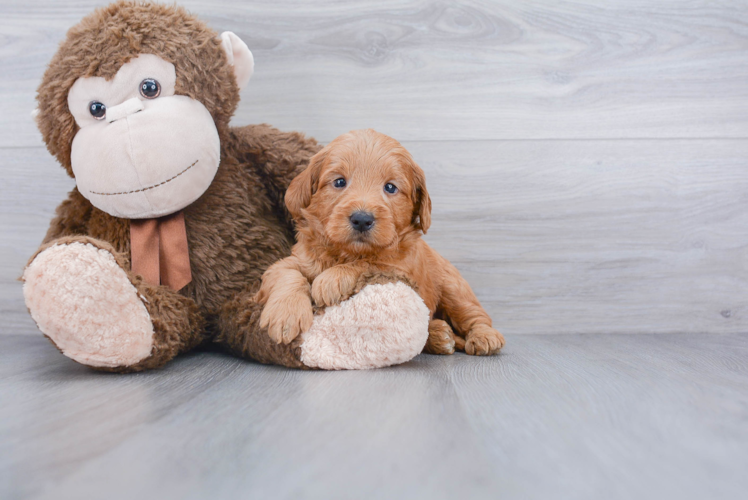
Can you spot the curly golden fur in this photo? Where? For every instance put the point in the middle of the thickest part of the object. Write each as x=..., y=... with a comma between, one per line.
x=356, y=174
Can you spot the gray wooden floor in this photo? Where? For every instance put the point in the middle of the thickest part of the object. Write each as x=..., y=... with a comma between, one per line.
x=555, y=416
x=588, y=164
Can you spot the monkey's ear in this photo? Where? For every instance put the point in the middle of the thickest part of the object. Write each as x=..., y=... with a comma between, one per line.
x=240, y=57
x=303, y=186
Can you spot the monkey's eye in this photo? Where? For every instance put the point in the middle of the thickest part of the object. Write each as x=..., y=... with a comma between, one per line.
x=390, y=188
x=150, y=88
x=97, y=109
x=339, y=183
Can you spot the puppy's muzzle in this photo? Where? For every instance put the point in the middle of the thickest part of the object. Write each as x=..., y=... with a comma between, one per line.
x=362, y=221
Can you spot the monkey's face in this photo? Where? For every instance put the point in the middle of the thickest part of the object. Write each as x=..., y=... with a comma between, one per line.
x=141, y=150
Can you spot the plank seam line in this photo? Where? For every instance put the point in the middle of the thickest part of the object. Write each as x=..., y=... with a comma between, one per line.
x=547, y=139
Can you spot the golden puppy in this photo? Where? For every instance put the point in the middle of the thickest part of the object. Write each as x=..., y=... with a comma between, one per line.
x=361, y=205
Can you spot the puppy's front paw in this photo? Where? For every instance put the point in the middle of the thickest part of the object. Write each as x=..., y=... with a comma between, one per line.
x=483, y=340
x=287, y=317
x=441, y=339
x=332, y=287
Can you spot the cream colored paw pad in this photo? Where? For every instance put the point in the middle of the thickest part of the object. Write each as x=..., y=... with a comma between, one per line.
x=382, y=325
x=82, y=300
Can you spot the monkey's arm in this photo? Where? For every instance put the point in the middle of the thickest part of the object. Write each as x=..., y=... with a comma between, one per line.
x=276, y=157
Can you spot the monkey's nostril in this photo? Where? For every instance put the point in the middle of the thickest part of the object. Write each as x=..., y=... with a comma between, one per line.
x=362, y=221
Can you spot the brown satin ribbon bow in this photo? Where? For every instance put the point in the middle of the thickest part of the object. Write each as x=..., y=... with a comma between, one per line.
x=159, y=251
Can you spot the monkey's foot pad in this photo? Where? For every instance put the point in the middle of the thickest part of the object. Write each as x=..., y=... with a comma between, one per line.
x=84, y=302
x=382, y=325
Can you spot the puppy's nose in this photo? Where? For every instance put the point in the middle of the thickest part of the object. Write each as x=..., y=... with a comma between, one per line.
x=362, y=221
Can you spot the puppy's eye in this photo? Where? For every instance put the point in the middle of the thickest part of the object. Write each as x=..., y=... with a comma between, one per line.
x=339, y=183
x=97, y=110
x=150, y=88
x=390, y=188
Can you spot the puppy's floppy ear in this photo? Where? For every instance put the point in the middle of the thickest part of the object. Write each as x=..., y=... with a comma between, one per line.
x=421, y=200
x=302, y=188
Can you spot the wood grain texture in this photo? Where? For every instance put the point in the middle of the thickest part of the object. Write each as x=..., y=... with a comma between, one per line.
x=596, y=236
x=554, y=236
x=565, y=416
x=561, y=221
x=433, y=70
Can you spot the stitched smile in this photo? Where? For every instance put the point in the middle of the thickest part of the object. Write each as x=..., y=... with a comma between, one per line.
x=149, y=187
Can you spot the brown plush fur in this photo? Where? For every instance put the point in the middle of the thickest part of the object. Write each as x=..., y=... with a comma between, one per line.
x=235, y=230
x=331, y=255
x=109, y=37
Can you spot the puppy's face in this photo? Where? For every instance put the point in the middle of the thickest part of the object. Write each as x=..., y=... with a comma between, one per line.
x=363, y=192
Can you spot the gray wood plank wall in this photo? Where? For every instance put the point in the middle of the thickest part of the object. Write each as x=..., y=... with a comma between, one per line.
x=588, y=160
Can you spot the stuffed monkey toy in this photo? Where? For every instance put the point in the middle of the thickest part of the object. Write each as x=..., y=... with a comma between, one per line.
x=175, y=215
